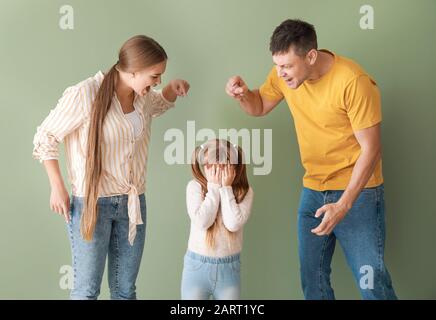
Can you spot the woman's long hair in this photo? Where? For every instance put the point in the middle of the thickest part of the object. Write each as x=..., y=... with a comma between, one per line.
x=220, y=152
x=137, y=53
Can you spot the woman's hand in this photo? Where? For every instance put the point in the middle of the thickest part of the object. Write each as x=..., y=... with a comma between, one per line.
x=228, y=175
x=59, y=199
x=213, y=174
x=175, y=88
x=60, y=202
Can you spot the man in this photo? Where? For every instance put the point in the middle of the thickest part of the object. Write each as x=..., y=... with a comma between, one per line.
x=337, y=115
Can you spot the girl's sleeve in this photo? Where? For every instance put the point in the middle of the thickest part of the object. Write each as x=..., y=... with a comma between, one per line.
x=202, y=212
x=235, y=215
x=66, y=117
x=157, y=103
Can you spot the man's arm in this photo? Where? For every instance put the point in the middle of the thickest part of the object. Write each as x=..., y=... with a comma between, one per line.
x=254, y=104
x=250, y=100
x=370, y=143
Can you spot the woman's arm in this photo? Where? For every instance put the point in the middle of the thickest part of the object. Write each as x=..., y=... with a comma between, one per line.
x=59, y=198
x=162, y=100
x=67, y=116
x=62, y=120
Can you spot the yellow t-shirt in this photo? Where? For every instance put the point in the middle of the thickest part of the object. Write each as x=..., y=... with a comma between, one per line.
x=326, y=111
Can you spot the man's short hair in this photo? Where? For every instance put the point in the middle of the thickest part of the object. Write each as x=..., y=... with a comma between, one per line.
x=298, y=34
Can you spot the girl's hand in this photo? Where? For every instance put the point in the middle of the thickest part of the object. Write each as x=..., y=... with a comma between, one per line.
x=213, y=174
x=60, y=202
x=228, y=175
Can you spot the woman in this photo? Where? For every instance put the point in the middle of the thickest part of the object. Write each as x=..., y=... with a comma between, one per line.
x=105, y=123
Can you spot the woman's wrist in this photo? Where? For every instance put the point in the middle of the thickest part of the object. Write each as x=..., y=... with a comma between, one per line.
x=57, y=184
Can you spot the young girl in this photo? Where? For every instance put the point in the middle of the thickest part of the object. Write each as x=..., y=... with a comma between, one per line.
x=219, y=204
x=105, y=123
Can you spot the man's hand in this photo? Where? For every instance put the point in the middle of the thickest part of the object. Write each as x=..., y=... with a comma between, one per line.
x=333, y=214
x=236, y=87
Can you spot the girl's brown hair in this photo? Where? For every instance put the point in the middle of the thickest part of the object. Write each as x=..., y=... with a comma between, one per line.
x=220, y=152
x=136, y=54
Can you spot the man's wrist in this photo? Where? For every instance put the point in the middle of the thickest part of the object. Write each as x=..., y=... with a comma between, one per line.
x=345, y=202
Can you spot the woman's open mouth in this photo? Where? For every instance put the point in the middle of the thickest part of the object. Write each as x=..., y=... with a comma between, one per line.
x=146, y=90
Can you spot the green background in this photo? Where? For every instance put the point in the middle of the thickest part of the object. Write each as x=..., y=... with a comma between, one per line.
x=207, y=42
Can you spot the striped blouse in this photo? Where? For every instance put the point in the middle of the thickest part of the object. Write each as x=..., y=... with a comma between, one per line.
x=124, y=156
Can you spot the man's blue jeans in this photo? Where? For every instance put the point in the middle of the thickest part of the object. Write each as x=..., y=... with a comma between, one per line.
x=361, y=235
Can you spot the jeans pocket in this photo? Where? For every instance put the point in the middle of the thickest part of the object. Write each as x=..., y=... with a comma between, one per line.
x=366, y=197
x=76, y=205
x=369, y=190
